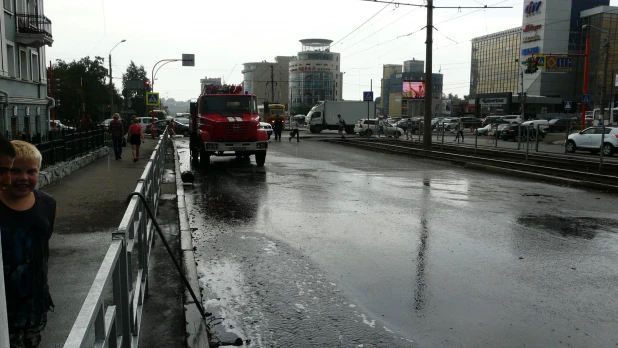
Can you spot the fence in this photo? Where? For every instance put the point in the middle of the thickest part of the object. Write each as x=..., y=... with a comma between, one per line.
x=118, y=324
x=65, y=145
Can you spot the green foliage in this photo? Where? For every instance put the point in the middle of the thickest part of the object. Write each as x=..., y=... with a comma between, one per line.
x=134, y=72
x=78, y=82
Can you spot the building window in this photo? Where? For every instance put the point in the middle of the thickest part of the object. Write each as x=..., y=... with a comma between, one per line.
x=38, y=124
x=10, y=59
x=8, y=5
x=34, y=59
x=23, y=65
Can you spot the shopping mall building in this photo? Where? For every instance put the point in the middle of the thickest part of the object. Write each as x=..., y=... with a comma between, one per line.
x=551, y=29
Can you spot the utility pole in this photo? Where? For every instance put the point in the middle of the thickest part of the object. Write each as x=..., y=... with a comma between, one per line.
x=429, y=57
x=272, y=83
x=111, y=92
x=428, y=78
x=604, y=82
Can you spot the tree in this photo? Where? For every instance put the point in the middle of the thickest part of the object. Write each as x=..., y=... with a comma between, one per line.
x=80, y=84
x=134, y=72
x=135, y=97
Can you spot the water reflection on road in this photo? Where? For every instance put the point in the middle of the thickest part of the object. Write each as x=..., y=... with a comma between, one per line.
x=402, y=249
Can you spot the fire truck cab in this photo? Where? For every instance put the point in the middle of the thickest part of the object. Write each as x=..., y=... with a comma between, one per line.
x=225, y=122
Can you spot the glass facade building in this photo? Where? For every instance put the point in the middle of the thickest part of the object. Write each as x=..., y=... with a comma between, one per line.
x=315, y=74
x=604, y=18
x=493, y=64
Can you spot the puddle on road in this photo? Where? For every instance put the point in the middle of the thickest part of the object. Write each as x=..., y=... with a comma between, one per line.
x=577, y=227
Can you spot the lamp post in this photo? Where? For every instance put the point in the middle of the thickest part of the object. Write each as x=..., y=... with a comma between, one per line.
x=522, y=97
x=603, y=82
x=111, y=89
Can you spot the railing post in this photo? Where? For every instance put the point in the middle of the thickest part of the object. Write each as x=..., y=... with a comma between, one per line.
x=124, y=315
x=538, y=135
x=4, y=321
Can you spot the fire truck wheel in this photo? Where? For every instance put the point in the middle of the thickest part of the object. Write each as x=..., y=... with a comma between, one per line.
x=204, y=158
x=260, y=158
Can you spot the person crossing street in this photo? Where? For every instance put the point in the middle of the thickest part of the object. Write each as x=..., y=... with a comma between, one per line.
x=295, y=131
x=278, y=127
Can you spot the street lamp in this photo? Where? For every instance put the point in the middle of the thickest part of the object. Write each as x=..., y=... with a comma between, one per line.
x=522, y=97
x=603, y=83
x=111, y=89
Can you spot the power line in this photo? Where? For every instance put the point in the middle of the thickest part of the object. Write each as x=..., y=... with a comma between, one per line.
x=383, y=8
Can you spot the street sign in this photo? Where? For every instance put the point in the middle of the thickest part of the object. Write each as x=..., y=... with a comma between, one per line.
x=555, y=63
x=540, y=61
x=567, y=105
x=152, y=99
x=188, y=59
x=367, y=96
x=585, y=98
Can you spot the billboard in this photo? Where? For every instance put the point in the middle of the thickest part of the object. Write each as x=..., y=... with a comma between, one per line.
x=413, y=89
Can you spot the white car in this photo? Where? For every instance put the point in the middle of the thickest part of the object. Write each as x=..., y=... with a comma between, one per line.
x=543, y=124
x=590, y=139
x=268, y=127
x=370, y=127
x=512, y=118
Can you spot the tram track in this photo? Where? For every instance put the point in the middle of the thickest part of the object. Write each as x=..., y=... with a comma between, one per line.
x=561, y=169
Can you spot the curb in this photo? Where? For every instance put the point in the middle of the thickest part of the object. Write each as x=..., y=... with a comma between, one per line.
x=62, y=169
x=196, y=332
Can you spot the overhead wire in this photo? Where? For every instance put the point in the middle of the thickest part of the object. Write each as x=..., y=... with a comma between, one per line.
x=365, y=22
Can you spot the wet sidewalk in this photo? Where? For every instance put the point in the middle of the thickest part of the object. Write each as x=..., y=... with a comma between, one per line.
x=91, y=204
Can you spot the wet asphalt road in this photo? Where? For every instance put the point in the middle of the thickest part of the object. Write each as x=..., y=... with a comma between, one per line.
x=331, y=246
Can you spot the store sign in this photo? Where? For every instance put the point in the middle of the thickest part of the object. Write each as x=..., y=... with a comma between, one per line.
x=493, y=101
x=531, y=50
x=531, y=38
x=531, y=27
x=533, y=8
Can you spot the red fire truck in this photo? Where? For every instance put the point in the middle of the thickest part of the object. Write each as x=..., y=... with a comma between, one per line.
x=225, y=122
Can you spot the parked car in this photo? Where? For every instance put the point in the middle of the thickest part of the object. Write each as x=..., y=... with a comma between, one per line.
x=435, y=122
x=490, y=119
x=416, y=124
x=471, y=122
x=59, y=126
x=106, y=123
x=559, y=124
x=484, y=130
x=511, y=132
x=590, y=139
x=512, y=118
x=268, y=127
x=369, y=127
x=501, y=128
x=180, y=128
x=543, y=124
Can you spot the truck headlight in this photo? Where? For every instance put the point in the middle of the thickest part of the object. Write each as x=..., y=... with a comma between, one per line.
x=262, y=145
x=211, y=146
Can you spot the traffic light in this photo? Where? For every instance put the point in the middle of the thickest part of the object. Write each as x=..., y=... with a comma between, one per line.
x=529, y=63
x=535, y=64
x=109, y=106
x=147, y=86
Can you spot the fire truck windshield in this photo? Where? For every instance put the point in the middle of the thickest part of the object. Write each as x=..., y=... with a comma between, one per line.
x=219, y=104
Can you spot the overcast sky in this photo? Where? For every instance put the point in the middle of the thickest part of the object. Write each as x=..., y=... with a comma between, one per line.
x=225, y=34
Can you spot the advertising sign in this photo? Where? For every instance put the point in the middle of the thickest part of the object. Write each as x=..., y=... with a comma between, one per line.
x=493, y=101
x=413, y=89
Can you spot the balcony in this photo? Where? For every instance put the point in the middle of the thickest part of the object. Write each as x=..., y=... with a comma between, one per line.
x=33, y=30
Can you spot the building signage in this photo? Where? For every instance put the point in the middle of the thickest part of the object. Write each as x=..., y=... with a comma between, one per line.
x=554, y=63
x=531, y=38
x=532, y=27
x=493, y=101
x=533, y=8
x=531, y=50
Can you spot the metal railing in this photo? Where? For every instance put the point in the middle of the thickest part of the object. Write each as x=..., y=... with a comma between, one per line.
x=118, y=323
x=65, y=145
x=33, y=24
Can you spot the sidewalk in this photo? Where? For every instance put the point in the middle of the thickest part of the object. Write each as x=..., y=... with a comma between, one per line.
x=91, y=203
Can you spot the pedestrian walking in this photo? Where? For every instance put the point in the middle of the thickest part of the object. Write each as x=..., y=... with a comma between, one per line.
x=7, y=155
x=172, y=125
x=117, y=132
x=295, y=131
x=27, y=218
x=278, y=127
x=381, y=128
x=136, y=137
x=341, y=122
x=408, y=130
x=460, y=132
